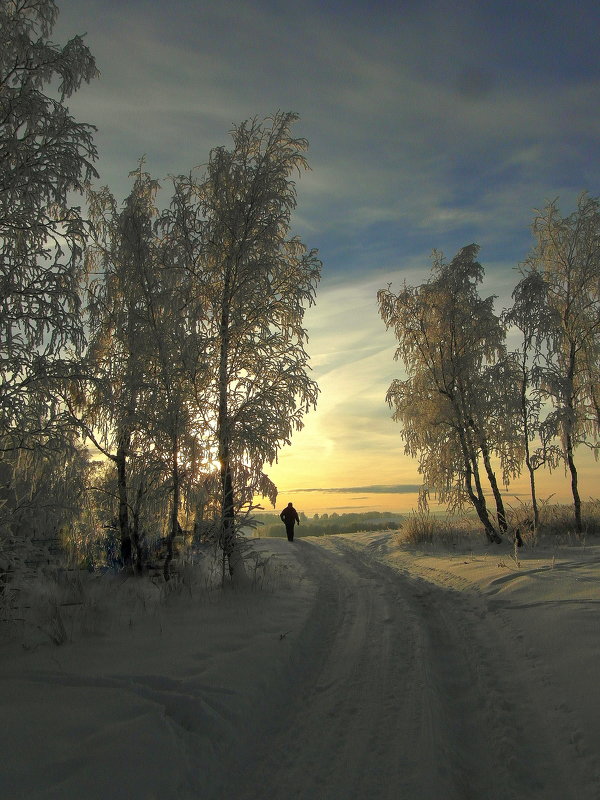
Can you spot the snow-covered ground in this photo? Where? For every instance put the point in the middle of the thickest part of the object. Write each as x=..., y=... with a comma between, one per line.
x=353, y=668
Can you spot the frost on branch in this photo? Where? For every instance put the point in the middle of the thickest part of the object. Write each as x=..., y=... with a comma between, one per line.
x=45, y=154
x=455, y=417
x=260, y=279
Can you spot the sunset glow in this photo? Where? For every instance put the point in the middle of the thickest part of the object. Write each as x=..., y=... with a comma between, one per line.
x=351, y=443
x=430, y=125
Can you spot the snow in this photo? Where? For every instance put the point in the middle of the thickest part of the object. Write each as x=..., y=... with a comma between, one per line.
x=352, y=667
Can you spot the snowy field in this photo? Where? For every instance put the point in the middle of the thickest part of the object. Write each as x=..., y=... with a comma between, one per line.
x=353, y=668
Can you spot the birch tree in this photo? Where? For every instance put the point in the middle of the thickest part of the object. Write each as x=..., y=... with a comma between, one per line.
x=43, y=507
x=567, y=258
x=175, y=299
x=260, y=280
x=454, y=416
x=45, y=155
x=109, y=406
x=146, y=359
x=533, y=318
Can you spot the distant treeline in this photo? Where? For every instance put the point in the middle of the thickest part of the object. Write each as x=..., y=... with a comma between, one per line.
x=323, y=524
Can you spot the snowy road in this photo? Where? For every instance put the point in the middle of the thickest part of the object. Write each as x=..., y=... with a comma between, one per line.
x=403, y=689
x=359, y=670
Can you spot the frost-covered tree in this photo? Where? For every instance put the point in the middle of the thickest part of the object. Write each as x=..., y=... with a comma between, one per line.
x=45, y=155
x=43, y=507
x=533, y=318
x=146, y=358
x=109, y=404
x=454, y=413
x=259, y=279
x=567, y=258
x=177, y=369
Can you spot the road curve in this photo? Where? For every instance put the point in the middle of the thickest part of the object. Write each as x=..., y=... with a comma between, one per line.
x=398, y=688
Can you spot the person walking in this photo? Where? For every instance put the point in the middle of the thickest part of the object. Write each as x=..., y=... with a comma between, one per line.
x=289, y=515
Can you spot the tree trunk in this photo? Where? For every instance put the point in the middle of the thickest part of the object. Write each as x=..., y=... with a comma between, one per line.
x=477, y=498
x=534, y=504
x=135, y=531
x=485, y=453
x=121, y=459
x=574, y=484
x=227, y=537
x=227, y=515
x=124, y=445
x=174, y=527
x=568, y=436
x=478, y=501
x=501, y=514
x=228, y=542
x=466, y=428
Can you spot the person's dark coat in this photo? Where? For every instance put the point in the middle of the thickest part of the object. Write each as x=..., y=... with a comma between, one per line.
x=289, y=515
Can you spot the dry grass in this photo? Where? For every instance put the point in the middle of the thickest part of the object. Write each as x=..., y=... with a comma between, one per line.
x=58, y=606
x=557, y=523
x=421, y=528
x=557, y=526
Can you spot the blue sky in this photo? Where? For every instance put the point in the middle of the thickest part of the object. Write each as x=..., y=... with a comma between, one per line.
x=431, y=125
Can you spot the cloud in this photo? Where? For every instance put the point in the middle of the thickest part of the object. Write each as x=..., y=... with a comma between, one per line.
x=397, y=489
x=407, y=151
x=431, y=125
x=346, y=508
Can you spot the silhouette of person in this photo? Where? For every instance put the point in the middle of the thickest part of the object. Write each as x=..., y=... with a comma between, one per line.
x=290, y=516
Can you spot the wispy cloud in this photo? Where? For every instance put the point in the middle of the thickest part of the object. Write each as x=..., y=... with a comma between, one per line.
x=431, y=125
x=397, y=489
x=409, y=151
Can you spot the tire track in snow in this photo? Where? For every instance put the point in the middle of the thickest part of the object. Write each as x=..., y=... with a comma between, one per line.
x=393, y=693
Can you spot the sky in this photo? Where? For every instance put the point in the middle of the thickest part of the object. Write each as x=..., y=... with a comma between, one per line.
x=431, y=125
